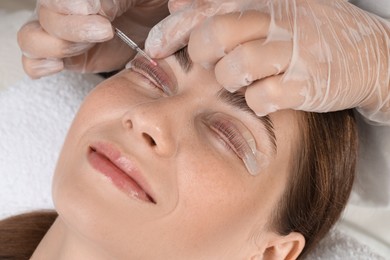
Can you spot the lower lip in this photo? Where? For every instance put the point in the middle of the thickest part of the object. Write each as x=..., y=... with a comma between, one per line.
x=120, y=179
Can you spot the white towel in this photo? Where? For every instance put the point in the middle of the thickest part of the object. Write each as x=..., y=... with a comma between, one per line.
x=34, y=118
x=338, y=245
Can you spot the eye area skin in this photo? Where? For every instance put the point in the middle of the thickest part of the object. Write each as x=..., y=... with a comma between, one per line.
x=236, y=138
x=155, y=74
x=229, y=137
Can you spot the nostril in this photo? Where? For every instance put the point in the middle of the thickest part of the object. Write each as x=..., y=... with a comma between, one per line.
x=149, y=139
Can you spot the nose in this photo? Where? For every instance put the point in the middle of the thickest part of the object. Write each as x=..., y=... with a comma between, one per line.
x=152, y=128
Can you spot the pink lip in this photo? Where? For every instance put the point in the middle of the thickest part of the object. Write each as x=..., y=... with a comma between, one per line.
x=108, y=160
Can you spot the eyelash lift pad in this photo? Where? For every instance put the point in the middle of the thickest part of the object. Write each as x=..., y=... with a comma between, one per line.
x=241, y=141
x=133, y=45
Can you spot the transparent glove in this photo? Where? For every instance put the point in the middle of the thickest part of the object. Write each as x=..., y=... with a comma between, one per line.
x=307, y=55
x=78, y=35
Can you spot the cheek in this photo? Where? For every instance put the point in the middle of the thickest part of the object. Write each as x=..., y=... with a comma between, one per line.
x=218, y=203
x=108, y=101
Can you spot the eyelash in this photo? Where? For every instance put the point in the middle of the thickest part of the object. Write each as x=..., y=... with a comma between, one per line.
x=152, y=73
x=230, y=137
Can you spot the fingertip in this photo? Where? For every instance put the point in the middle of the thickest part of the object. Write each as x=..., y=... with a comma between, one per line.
x=259, y=104
x=85, y=7
x=231, y=73
x=153, y=48
x=274, y=93
x=263, y=96
x=39, y=68
x=266, y=110
x=76, y=28
x=97, y=32
x=231, y=88
x=25, y=32
x=207, y=65
x=171, y=34
x=160, y=48
x=154, y=41
x=74, y=7
x=177, y=5
x=204, y=44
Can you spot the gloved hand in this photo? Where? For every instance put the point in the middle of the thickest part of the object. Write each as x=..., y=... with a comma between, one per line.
x=307, y=55
x=78, y=35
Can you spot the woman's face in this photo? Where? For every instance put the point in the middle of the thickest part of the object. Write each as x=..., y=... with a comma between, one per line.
x=151, y=172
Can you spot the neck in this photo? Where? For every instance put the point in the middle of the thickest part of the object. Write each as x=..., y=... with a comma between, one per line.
x=62, y=243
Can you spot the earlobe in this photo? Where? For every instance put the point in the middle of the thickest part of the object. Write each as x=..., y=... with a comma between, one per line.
x=285, y=247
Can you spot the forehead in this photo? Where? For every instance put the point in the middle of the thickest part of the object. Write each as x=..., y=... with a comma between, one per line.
x=191, y=76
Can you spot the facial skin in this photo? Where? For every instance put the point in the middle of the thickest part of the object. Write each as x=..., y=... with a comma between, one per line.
x=205, y=203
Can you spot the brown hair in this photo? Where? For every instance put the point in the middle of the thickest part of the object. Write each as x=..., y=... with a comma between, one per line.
x=320, y=184
x=21, y=234
x=321, y=178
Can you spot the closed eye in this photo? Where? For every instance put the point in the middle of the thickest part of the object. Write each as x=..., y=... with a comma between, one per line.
x=230, y=136
x=235, y=137
x=153, y=73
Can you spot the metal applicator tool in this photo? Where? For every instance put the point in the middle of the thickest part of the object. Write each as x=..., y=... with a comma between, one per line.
x=133, y=45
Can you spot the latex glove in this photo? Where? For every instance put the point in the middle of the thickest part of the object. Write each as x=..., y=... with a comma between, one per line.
x=307, y=55
x=78, y=35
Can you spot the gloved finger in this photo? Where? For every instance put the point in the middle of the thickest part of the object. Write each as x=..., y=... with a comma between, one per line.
x=80, y=7
x=252, y=61
x=76, y=28
x=37, y=68
x=176, y=5
x=110, y=56
x=295, y=89
x=173, y=32
x=211, y=40
x=112, y=9
x=108, y=8
x=36, y=43
x=273, y=93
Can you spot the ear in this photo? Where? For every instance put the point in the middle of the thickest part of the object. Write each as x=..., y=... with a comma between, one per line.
x=285, y=247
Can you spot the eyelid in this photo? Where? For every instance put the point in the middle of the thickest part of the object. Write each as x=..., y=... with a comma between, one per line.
x=253, y=159
x=155, y=73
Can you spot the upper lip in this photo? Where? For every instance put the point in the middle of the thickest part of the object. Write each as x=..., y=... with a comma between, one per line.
x=124, y=164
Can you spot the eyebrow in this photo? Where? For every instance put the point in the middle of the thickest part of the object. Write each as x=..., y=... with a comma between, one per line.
x=184, y=60
x=236, y=99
